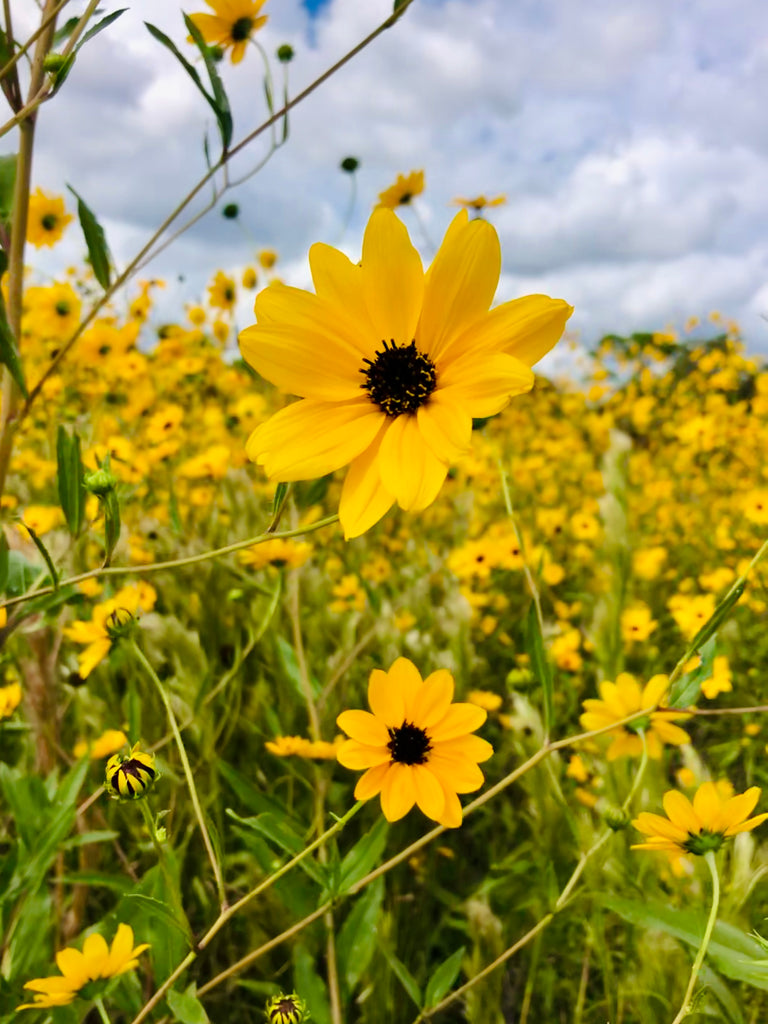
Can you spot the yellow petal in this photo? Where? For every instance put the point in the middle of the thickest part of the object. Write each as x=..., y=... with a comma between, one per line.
x=386, y=699
x=459, y=720
x=655, y=825
x=73, y=966
x=370, y=784
x=460, y=283
x=452, y=814
x=456, y=773
x=290, y=361
x=96, y=952
x=429, y=793
x=746, y=826
x=405, y=679
x=475, y=748
x=393, y=279
x=408, y=468
x=282, y=306
x=309, y=439
x=446, y=427
x=121, y=950
x=483, y=383
x=738, y=808
x=432, y=699
x=707, y=804
x=91, y=656
x=668, y=732
x=680, y=811
x=364, y=727
x=364, y=498
x=339, y=282
x=356, y=755
x=398, y=793
x=654, y=690
x=526, y=328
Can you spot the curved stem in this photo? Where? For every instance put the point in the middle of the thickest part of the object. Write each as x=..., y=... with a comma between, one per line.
x=187, y=773
x=686, y=1008
x=176, y=563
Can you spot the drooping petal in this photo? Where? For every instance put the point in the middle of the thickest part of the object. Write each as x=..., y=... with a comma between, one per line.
x=430, y=796
x=456, y=773
x=432, y=700
x=446, y=426
x=654, y=690
x=452, y=816
x=398, y=793
x=364, y=498
x=364, y=727
x=309, y=439
x=393, y=279
x=91, y=656
x=370, y=784
x=459, y=720
x=656, y=825
x=668, y=732
x=484, y=383
x=526, y=328
x=408, y=467
x=460, y=283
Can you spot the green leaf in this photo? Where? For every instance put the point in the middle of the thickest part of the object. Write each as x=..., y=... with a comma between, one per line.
x=99, y=879
x=443, y=977
x=99, y=27
x=291, y=668
x=151, y=907
x=66, y=30
x=364, y=856
x=734, y=953
x=4, y=562
x=358, y=937
x=7, y=185
x=219, y=103
x=276, y=828
x=44, y=552
x=281, y=493
x=69, y=788
x=403, y=975
x=687, y=689
x=70, y=479
x=187, y=1008
x=95, y=240
x=102, y=835
x=308, y=982
x=717, y=618
x=540, y=666
x=21, y=574
x=9, y=354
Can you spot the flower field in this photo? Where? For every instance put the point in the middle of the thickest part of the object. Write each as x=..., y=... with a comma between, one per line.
x=353, y=670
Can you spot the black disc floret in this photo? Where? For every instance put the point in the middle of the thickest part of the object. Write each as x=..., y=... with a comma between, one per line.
x=241, y=29
x=399, y=379
x=409, y=744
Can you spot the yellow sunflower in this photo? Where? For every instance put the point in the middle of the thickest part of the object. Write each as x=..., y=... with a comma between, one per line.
x=392, y=363
x=96, y=961
x=231, y=25
x=416, y=745
x=405, y=188
x=703, y=825
x=47, y=219
x=479, y=203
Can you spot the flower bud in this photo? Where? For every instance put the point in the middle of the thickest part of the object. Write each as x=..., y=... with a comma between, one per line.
x=119, y=624
x=284, y=1009
x=230, y=211
x=285, y=53
x=53, y=63
x=101, y=482
x=616, y=819
x=131, y=777
x=349, y=164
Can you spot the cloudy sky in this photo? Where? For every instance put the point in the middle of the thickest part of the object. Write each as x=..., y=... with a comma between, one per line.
x=630, y=139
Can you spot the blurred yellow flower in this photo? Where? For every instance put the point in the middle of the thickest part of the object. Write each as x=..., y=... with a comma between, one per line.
x=405, y=188
x=10, y=698
x=720, y=681
x=637, y=623
x=625, y=697
x=479, y=203
x=46, y=220
x=108, y=743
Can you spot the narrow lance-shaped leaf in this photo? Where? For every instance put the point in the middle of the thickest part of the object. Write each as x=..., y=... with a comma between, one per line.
x=540, y=665
x=443, y=977
x=9, y=354
x=99, y=27
x=44, y=552
x=98, y=253
x=220, y=102
x=70, y=479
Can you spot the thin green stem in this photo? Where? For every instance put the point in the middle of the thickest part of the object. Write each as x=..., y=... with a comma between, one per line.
x=187, y=773
x=46, y=21
x=98, y=1002
x=687, y=1008
x=176, y=563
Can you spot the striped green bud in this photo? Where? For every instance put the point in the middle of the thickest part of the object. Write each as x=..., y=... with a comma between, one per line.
x=131, y=777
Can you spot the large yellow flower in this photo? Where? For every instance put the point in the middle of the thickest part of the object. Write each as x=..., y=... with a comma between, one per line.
x=701, y=826
x=392, y=364
x=417, y=746
x=231, y=25
x=624, y=698
x=96, y=961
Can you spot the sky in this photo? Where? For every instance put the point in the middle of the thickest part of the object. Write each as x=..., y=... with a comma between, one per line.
x=630, y=140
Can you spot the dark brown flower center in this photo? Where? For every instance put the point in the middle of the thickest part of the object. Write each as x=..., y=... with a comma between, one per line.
x=49, y=221
x=242, y=29
x=409, y=744
x=399, y=379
